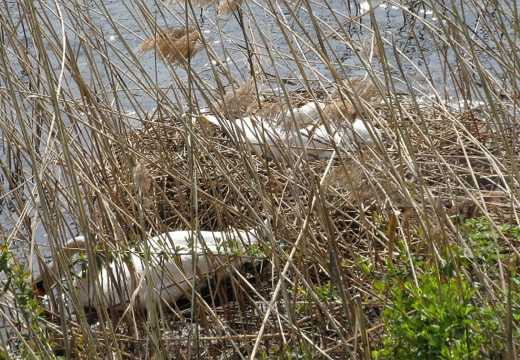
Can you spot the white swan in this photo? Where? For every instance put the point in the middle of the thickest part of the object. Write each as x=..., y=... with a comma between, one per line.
x=348, y=136
x=272, y=140
x=306, y=113
x=171, y=272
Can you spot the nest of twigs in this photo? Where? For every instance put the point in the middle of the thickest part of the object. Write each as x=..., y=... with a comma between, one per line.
x=196, y=175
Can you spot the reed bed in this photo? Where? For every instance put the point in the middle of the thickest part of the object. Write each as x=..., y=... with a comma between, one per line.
x=373, y=253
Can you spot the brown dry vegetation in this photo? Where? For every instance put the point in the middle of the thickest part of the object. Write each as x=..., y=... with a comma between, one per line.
x=348, y=207
x=174, y=45
x=343, y=236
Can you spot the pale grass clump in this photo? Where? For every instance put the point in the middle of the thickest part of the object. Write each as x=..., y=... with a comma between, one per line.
x=339, y=110
x=174, y=45
x=96, y=143
x=237, y=101
x=349, y=99
x=247, y=99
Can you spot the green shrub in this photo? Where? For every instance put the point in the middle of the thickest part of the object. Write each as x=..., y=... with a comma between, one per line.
x=441, y=316
x=433, y=320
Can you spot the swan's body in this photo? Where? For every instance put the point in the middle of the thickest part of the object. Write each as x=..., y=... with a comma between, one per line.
x=306, y=114
x=172, y=269
x=348, y=137
x=311, y=138
x=257, y=133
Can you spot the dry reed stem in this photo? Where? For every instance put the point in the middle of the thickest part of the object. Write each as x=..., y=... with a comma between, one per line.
x=224, y=6
x=228, y=6
x=195, y=2
x=174, y=45
x=349, y=101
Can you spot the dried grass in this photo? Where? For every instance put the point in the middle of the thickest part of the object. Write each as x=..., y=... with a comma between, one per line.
x=247, y=100
x=355, y=193
x=174, y=45
x=349, y=99
x=337, y=225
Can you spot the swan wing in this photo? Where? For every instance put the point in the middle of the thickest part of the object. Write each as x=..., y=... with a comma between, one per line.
x=307, y=113
x=255, y=131
x=182, y=259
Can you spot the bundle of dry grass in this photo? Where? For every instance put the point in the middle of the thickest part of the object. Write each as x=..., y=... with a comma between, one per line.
x=237, y=102
x=174, y=45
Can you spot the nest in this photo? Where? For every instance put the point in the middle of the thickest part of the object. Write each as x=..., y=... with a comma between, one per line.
x=175, y=173
x=185, y=172
x=180, y=173
x=456, y=155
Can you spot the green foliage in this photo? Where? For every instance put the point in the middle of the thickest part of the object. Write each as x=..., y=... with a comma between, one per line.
x=18, y=280
x=18, y=283
x=484, y=238
x=327, y=292
x=285, y=352
x=440, y=316
x=435, y=320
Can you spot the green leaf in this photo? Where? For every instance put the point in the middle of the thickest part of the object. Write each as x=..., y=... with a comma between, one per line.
x=378, y=284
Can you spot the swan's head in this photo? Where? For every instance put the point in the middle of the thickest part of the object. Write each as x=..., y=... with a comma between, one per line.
x=68, y=250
